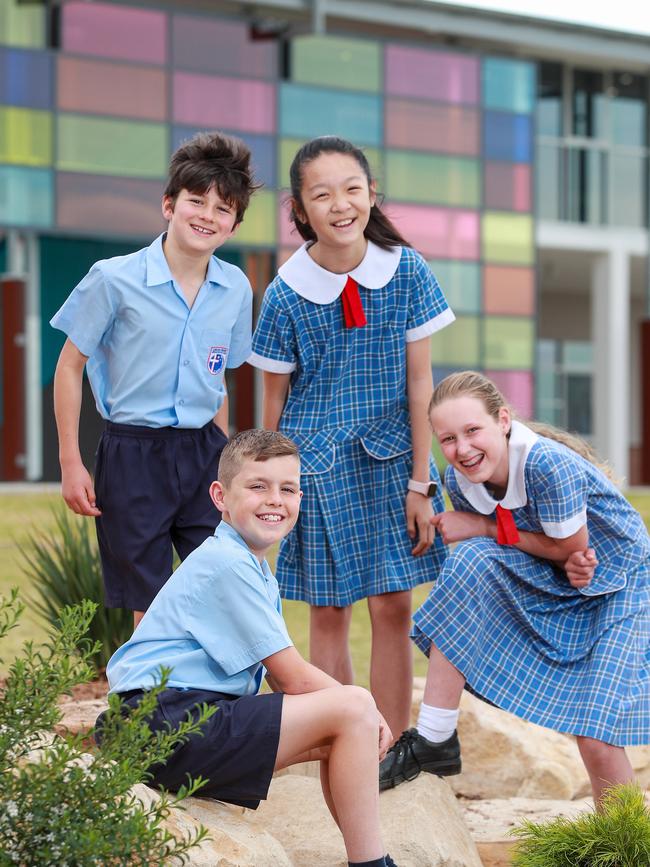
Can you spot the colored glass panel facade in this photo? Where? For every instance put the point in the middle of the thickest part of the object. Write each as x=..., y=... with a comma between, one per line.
x=444, y=180
x=109, y=30
x=349, y=64
x=25, y=78
x=25, y=136
x=221, y=47
x=306, y=112
x=25, y=197
x=223, y=103
x=425, y=126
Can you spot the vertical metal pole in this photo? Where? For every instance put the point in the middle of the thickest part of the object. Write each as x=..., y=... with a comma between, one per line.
x=33, y=383
x=318, y=16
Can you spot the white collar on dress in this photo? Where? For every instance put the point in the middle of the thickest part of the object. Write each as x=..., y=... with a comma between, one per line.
x=521, y=441
x=316, y=284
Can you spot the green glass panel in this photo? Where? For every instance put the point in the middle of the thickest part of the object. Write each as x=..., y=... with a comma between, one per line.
x=289, y=147
x=458, y=345
x=432, y=178
x=353, y=64
x=26, y=197
x=508, y=85
x=461, y=284
x=508, y=238
x=22, y=24
x=112, y=147
x=25, y=136
x=260, y=222
x=578, y=354
x=509, y=343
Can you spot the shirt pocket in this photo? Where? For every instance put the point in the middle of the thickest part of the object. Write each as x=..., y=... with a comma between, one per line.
x=214, y=348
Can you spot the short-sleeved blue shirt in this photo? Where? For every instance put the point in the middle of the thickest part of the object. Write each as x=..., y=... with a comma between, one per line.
x=347, y=382
x=212, y=623
x=152, y=360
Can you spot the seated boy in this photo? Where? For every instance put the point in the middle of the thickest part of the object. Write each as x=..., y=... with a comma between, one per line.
x=156, y=330
x=217, y=624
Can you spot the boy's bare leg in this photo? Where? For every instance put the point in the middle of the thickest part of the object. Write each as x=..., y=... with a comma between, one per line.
x=606, y=765
x=329, y=650
x=345, y=719
x=391, y=659
x=137, y=617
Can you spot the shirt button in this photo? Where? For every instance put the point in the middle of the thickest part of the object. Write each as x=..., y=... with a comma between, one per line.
x=186, y=362
x=181, y=403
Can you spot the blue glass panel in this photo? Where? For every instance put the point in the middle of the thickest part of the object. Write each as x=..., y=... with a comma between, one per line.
x=306, y=112
x=263, y=148
x=508, y=84
x=26, y=197
x=507, y=137
x=25, y=78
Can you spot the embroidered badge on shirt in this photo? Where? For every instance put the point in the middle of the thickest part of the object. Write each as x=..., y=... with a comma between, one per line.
x=217, y=359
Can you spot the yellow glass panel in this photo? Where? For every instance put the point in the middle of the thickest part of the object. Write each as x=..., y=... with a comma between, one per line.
x=289, y=147
x=25, y=136
x=509, y=343
x=457, y=345
x=260, y=222
x=508, y=238
x=21, y=24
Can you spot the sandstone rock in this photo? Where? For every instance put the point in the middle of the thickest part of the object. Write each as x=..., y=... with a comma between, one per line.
x=421, y=824
x=79, y=716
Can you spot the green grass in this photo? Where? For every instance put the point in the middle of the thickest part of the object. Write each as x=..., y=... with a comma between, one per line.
x=20, y=513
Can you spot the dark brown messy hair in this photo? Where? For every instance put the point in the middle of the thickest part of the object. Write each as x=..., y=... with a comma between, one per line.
x=212, y=159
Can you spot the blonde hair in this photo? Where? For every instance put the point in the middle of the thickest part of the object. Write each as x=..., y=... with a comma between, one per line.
x=253, y=445
x=470, y=383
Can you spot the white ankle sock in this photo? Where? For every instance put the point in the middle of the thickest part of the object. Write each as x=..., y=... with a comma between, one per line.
x=436, y=724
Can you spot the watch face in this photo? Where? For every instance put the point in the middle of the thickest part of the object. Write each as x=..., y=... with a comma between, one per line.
x=433, y=487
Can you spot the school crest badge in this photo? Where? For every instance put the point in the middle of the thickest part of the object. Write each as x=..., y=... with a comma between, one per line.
x=217, y=359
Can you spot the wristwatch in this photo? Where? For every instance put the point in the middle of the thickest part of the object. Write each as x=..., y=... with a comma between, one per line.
x=427, y=488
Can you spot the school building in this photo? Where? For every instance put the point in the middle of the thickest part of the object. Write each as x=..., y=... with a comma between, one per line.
x=511, y=151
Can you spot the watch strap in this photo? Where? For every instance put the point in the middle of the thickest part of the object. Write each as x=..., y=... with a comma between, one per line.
x=427, y=489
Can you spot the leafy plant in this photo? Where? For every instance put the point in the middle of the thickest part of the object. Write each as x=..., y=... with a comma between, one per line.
x=65, y=569
x=60, y=805
x=616, y=836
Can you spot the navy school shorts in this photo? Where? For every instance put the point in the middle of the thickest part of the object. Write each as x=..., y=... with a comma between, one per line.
x=152, y=487
x=235, y=753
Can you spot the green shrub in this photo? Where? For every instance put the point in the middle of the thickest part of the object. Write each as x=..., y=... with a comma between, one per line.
x=64, y=566
x=616, y=836
x=58, y=804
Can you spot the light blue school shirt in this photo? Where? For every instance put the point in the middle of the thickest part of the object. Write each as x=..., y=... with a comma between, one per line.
x=152, y=360
x=212, y=623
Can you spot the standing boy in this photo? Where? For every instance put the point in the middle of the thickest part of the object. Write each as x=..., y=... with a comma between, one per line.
x=156, y=330
x=217, y=623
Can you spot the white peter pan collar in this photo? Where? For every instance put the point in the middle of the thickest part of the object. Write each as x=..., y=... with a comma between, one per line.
x=521, y=441
x=316, y=284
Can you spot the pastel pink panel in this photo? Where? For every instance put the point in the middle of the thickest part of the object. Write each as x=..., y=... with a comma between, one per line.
x=102, y=87
x=517, y=388
x=289, y=237
x=231, y=103
x=522, y=185
x=425, y=126
x=438, y=76
x=443, y=233
x=107, y=30
x=507, y=186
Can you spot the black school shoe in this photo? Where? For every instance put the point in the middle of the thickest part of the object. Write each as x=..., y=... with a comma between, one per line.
x=414, y=753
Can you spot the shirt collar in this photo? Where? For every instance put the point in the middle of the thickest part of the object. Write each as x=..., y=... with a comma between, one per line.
x=158, y=269
x=521, y=441
x=227, y=531
x=321, y=286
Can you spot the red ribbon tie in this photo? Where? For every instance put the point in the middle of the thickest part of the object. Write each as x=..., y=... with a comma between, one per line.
x=352, y=306
x=507, y=533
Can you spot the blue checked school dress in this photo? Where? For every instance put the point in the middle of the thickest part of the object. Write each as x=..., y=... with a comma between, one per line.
x=577, y=661
x=347, y=411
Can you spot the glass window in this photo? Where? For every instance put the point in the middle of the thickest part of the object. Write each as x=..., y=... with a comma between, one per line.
x=126, y=207
x=509, y=343
x=111, y=147
x=224, y=103
x=508, y=238
x=589, y=104
x=201, y=44
x=507, y=186
x=548, y=181
x=629, y=109
x=428, y=126
x=428, y=178
x=586, y=178
x=461, y=284
x=548, y=403
x=25, y=197
x=310, y=111
x=508, y=85
x=438, y=232
x=259, y=226
x=578, y=403
x=25, y=78
x=549, y=99
x=517, y=388
x=107, y=30
x=458, y=345
x=507, y=136
x=438, y=76
x=509, y=290
x=22, y=24
x=25, y=136
x=628, y=190
x=352, y=64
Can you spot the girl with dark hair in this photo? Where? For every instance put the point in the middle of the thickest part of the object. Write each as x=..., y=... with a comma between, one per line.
x=343, y=340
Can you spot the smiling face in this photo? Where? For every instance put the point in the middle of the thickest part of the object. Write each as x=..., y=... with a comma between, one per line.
x=472, y=440
x=336, y=203
x=262, y=501
x=198, y=223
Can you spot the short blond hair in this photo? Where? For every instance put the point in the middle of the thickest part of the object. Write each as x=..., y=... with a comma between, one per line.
x=253, y=445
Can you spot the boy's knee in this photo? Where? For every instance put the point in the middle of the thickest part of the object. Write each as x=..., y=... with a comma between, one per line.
x=357, y=705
